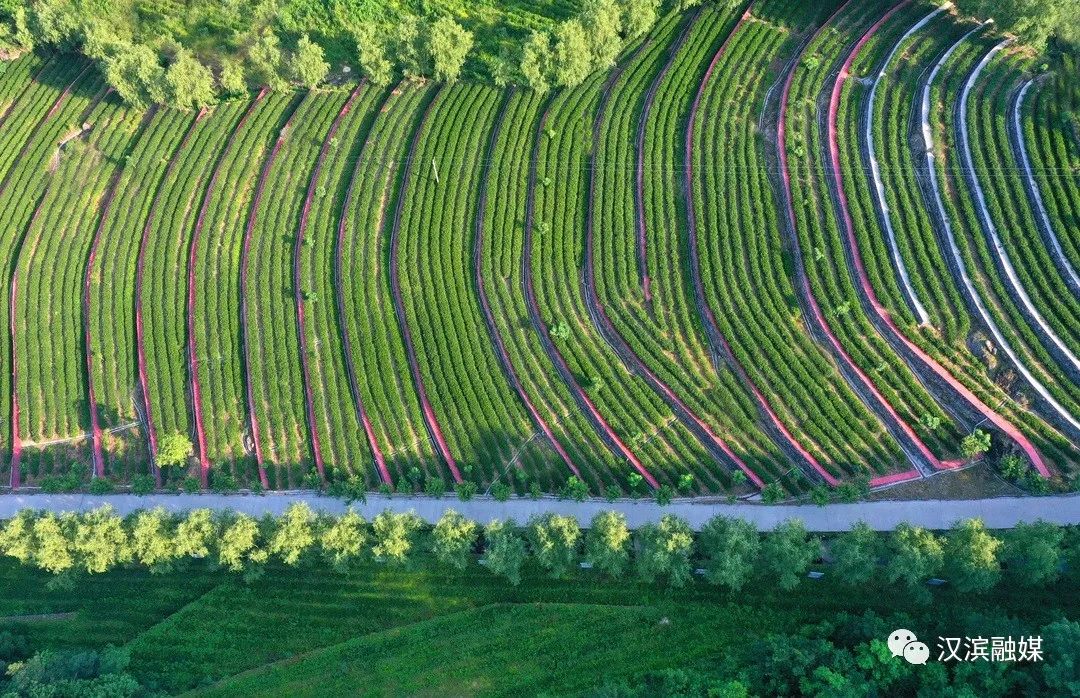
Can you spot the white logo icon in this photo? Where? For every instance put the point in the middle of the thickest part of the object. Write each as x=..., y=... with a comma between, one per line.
x=916, y=652
x=898, y=639
x=903, y=643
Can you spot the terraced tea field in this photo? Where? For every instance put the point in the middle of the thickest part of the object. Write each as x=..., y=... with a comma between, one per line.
x=778, y=247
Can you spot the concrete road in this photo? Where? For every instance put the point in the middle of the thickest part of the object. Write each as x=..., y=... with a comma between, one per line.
x=1003, y=512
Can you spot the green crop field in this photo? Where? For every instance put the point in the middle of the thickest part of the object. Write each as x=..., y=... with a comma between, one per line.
x=778, y=248
x=423, y=631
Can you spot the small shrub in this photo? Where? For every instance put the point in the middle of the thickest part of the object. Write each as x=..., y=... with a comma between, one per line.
x=612, y=492
x=191, y=485
x=174, y=450
x=501, y=491
x=575, y=489
x=686, y=482
x=664, y=495
x=312, y=481
x=772, y=493
x=820, y=495
x=976, y=443
x=350, y=489
x=1034, y=482
x=100, y=485
x=534, y=490
x=386, y=488
x=466, y=490
x=434, y=487
x=1012, y=467
x=223, y=482
x=142, y=484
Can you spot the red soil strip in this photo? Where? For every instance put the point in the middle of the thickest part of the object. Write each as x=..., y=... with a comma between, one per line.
x=399, y=306
x=713, y=333
x=803, y=280
x=614, y=442
x=864, y=282
x=904, y=476
x=339, y=288
x=639, y=188
x=16, y=439
x=106, y=205
x=489, y=318
x=193, y=363
x=704, y=433
x=245, y=332
x=140, y=264
x=309, y=402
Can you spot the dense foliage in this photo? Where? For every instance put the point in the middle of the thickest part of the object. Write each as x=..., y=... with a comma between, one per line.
x=727, y=552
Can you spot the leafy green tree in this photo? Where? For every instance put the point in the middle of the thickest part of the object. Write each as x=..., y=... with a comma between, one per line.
x=395, y=535
x=410, y=47
x=1032, y=553
x=266, y=61
x=101, y=541
x=639, y=16
x=664, y=551
x=916, y=554
x=788, y=552
x=15, y=34
x=174, y=449
x=607, y=543
x=730, y=547
x=54, y=542
x=504, y=550
x=553, y=540
x=1061, y=668
x=153, y=539
x=189, y=84
x=308, y=65
x=136, y=74
x=449, y=44
x=572, y=54
x=857, y=553
x=976, y=443
x=294, y=533
x=453, y=539
x=196, y=534
x=342, y=541
x=231, y=78
x=17, y=537
x=537, y=61
x=371, y=53
x=602, y=22
x=1034, y=21
x=241, y=543
x=971, y=557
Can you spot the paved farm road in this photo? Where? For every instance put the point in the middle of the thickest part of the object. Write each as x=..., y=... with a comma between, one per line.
x=1003, y=512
